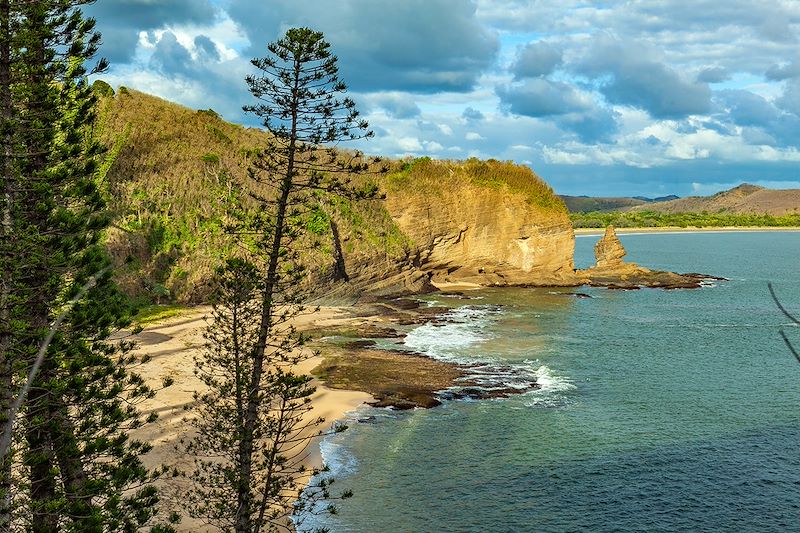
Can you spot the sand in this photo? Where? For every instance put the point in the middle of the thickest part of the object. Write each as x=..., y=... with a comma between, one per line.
x=453, y=286
x=172, y=345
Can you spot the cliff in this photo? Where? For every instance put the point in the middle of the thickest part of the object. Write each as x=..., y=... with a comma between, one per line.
x=483, y=222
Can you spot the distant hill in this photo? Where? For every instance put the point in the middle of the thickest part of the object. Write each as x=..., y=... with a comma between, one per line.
x=586, y=204
x=745, y=199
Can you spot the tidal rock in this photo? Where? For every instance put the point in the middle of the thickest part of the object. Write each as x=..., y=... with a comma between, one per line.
x=608, y=252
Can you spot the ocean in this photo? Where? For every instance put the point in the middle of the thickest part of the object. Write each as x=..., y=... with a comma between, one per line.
x=657, y=411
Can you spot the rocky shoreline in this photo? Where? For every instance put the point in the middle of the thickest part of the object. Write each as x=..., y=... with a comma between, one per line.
x=358, y=355
x=365, y=352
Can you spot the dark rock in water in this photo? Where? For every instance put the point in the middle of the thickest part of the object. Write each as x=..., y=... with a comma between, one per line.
x=367, y=420
x=615, y=287
x=359, y=344
x=705, y=277
x=580, y=295
x=404, y=404
x=404, y=304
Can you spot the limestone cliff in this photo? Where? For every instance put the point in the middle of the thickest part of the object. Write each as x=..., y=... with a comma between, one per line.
x=489, y=223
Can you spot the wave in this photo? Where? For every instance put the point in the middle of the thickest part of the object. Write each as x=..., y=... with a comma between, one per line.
x=455, y=330
x=457, y=337
x=553, y=389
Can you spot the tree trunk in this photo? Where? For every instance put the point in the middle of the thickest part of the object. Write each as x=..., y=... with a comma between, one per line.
x=40, y=459
x=6, y=362
x=245, y=496
x=339, y=268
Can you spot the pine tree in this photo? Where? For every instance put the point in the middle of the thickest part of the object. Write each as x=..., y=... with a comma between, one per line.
x=251, y=422
x=71, y=466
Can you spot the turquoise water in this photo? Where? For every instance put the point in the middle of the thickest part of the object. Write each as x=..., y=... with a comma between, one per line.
x=658, y=410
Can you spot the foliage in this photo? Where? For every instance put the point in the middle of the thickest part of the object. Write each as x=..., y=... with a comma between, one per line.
x=438, y=177
x=102, y=88
x=648, y=219
x=72, y=466
x=582, y=204
x=251, y=424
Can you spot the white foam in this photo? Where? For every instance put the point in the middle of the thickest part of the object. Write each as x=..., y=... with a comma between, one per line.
x=464, y=327
x=550, y=382
x=553, y=389
x=337, y=458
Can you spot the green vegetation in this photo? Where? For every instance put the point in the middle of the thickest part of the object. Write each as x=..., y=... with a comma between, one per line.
x=67, y=397
x=175, y=174
x=580, y=204
x=424, y=175
x=151, y=314
x=652, y=219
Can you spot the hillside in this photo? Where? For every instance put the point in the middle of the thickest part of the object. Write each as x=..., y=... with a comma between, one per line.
x=173, y=174
x=745, y=199
x=586, y=204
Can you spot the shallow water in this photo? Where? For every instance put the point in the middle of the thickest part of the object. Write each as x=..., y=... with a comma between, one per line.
x=657, y=410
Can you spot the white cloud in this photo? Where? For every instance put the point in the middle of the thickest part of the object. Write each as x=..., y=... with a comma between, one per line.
x=652, y=97
x=409, y=144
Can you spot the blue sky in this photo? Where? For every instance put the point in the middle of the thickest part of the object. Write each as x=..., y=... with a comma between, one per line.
x=646, y=97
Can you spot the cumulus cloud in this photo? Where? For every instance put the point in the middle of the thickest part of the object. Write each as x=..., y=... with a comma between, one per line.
x=395, y=104
x=784, y=71
x=472, y=114
x=790, y=100
x=171, y=56
x=121, y=21
x=206, y=48
x=647, y=89
x=713, y=75
x=540, y=97
x=384, y=44
x=748, y=109
x=628, y=75
x=592, y=125
x=536, y=59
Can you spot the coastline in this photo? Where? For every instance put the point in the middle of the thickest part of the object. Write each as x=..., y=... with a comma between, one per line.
x=692, y=229
x=172, y=344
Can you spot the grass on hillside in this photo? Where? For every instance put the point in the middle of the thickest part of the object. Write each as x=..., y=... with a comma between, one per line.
x=174, y=174
x=652, y=219
x=435, y=177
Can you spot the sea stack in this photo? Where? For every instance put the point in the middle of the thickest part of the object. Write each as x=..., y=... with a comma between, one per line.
x=608, y=252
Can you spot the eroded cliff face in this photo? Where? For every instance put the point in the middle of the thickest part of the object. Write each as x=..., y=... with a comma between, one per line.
x=484, y=235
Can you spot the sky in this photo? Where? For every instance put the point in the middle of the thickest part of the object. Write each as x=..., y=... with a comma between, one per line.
x=649, y=97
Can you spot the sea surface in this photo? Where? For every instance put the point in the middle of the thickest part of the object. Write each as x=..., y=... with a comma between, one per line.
x=658, y=411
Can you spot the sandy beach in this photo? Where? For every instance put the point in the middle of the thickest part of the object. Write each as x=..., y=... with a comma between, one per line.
x=678, y=229
x=172, y=345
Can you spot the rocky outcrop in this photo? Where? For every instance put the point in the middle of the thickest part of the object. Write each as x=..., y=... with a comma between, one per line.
x=612, y=272
x=608, y=252
x=486, y=236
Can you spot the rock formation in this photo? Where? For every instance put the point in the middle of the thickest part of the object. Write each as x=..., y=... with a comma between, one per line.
x=486, y=236
x=612, y=272
x=608, y=252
